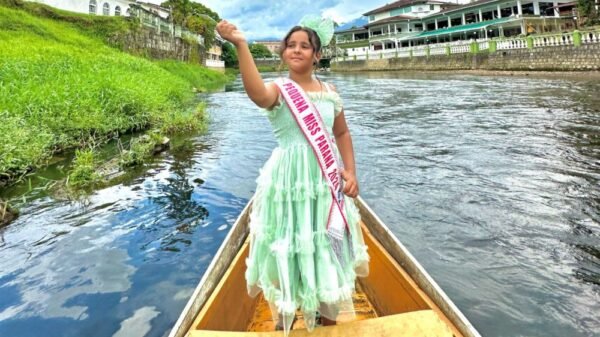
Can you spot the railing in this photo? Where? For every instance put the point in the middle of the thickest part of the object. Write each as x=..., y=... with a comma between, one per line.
x=403, y=52
x=518, y=43
x=165, y=26
x=437, y=50
x=215, y=63
x=460, y=48
x=419, y=51
x=553, y=40
x=590, y=37
x=343, y=41
x=474, y=46
x=484, y=45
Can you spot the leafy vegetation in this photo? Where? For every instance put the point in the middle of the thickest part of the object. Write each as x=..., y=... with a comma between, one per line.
x=195, y=17
x=61, y=86
x=83, y=172
x=99, y=26
x=140, y=149
x=202, y=78
x=587, y=9
x=259, y=51
x=229, y=55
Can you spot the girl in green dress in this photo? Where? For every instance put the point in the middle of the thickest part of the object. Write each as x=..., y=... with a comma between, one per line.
x=291, y=259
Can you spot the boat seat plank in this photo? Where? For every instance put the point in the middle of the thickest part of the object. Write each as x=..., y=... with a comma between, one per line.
x=423, y=323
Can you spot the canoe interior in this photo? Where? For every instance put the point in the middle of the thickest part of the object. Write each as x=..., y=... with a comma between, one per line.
x=387, y=299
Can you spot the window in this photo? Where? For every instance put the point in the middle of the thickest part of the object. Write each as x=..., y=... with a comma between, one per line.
x=117, y=11
x=106, y=9
x=371, y=17
x=431, y=7
x=93, y=7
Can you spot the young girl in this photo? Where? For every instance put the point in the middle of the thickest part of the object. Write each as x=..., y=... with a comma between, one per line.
x=295, y=260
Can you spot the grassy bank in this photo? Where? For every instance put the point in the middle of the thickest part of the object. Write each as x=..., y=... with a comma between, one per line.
x=61, y=86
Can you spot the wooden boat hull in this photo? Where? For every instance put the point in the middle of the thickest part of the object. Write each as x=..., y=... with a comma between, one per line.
x=407, y=300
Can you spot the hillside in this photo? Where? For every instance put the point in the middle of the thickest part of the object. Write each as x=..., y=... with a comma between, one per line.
x=62, y=86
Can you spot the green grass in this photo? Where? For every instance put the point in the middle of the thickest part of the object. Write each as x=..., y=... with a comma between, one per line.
x=84, y=169
x=201, y=78
x=61, y=87
x=100, y=26
x=140, y=149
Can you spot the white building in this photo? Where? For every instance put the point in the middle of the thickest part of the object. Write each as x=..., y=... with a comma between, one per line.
x=408, y=23
x=94, y=7
x=150, y=14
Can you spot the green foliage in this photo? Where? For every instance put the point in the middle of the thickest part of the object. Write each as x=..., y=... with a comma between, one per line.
x=259, y=51
x=195, y=17
x=269, y=69
x=229, y=55
x=202, y=78
x=140, y=149
x=587, y=9
x=22, y=144
x=83, y=172
x=61, y=88
x=204, y=26
x=194, y=121
x=104, y=27
x=184, y=8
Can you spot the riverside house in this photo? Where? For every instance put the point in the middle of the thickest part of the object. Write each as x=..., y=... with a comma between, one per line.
x=409, y=23
x=150, y=15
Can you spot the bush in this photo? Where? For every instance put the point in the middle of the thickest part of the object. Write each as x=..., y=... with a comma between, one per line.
x=84, y=168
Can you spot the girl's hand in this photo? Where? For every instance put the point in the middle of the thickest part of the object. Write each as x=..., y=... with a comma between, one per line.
x=350, y=185
x=229, y=32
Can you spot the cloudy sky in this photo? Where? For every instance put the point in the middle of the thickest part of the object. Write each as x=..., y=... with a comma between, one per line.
x=272, y=19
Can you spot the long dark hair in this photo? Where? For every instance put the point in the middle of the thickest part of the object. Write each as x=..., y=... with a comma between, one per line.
x=313, y=38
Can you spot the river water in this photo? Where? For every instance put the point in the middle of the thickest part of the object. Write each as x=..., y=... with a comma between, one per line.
x=492, y=182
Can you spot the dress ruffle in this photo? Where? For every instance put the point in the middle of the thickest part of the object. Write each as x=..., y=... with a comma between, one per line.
x=291, y=260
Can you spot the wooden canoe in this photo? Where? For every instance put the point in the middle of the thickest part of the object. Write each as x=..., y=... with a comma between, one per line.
x=398, y=298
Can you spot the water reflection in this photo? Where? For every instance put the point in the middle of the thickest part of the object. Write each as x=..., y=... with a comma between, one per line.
x=492, y=183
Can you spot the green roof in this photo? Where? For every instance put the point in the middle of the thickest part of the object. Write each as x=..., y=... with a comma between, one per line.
x=462, y=28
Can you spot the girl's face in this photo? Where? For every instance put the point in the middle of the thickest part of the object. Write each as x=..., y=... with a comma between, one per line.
x=299, y=54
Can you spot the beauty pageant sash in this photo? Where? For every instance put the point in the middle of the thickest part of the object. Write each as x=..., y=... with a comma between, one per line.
x=310, y=122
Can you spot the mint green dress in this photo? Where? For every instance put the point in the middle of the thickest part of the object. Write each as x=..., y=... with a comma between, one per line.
x=290, y=258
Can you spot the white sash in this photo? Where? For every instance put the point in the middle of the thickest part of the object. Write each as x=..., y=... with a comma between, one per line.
x=310, y=122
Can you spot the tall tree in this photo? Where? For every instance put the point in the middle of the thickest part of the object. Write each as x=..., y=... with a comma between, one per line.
x=195, y=17
x=259, y=51
x=587, y=9
x=229, y=55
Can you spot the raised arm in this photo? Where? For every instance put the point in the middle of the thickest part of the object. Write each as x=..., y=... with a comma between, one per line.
x=265, y=96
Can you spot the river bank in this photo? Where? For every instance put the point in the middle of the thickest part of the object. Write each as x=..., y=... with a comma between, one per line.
x=62, y=86
x=577, y=58
x=574, y=75
x=489, y=181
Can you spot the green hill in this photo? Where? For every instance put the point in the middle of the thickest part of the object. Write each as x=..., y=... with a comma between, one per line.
x=61, y=85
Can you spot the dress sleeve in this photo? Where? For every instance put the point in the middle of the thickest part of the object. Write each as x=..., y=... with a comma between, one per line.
x=338, y=105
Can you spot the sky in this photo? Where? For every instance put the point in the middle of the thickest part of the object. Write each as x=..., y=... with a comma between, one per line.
x=272, y=19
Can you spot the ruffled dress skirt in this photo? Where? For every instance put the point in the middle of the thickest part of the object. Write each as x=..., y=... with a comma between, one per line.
x=290, y=259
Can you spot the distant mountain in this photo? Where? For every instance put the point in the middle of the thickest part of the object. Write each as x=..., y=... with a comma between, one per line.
x=358, y=22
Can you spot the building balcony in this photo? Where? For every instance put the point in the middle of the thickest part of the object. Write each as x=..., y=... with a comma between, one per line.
x=353, y=44
x=215, y=64
x=393, y=36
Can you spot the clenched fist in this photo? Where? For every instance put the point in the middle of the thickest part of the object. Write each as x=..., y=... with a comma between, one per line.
x=229, y=32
